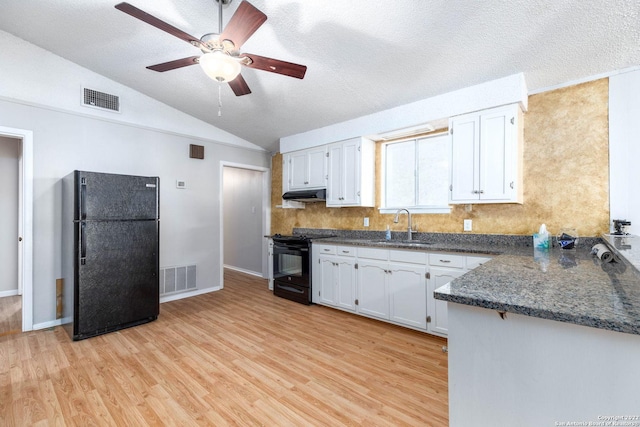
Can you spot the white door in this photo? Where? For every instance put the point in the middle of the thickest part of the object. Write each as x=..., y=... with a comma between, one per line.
x=351, y=172
x=346, y=283
x=334, y=171
x=327, y=285
x=373, y=296
x=317, y=159
x=408, y=294
x=298, y=171
x=437, y=309
x=496, y=145
x=465, y=145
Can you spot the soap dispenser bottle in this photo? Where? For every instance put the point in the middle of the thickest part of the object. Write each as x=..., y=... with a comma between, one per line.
x=387, y=235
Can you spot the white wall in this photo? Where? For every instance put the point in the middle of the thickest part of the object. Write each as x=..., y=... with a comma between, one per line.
x=243, y=235
x=9, y=154
x=624, y=147
x=35, y=76
x=507, y=90
x=148, y=138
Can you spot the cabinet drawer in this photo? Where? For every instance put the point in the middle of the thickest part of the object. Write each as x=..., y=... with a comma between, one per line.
x=414, y=257
x=372, y=253
x=346, y=251
x=324, y=249
x=447, y=260
x=476, y=261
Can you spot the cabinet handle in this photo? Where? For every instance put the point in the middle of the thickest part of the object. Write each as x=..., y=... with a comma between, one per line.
x=327, y=250
x=346, y=252
x=306, y=182
x=511, y=185
x=444, y=261
x=481, y=191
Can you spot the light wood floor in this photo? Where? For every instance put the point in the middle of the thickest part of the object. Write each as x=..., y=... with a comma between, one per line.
x=10, y=315
x=233, y=357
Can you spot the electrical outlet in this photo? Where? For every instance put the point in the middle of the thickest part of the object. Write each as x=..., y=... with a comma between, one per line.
x=467, y=225
x=366, y=221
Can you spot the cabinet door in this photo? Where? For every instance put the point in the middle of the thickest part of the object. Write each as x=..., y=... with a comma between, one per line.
x=408, y=294
x=496, y=164
x=334, y=171
x=326, y=284
x=437, y=309
x=350, y=172
x=465, y=146
x=298, y=174
x=346, y=284
x=373, y=297
x=317, y=167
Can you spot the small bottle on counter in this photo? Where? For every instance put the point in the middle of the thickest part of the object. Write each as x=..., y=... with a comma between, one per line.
x=388, y=233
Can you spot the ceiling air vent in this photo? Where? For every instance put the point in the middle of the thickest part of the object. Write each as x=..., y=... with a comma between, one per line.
x=104, y=101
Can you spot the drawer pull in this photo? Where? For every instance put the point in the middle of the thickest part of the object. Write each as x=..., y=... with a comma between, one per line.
x=346, y=252
x=327, y=250
x=445, y=260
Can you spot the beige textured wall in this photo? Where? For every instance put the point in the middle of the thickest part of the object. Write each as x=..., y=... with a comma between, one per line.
x=566, y=177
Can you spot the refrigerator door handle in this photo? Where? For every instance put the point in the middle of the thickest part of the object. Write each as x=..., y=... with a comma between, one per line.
x=83, y=244
x=83, y=191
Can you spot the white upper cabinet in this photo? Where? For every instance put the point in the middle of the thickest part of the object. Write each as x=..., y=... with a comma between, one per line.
x=305, y=169
x=486, y=163
x=351, y=173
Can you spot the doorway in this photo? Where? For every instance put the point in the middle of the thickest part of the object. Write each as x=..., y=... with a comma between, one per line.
x=16, y=239
x=245, y=218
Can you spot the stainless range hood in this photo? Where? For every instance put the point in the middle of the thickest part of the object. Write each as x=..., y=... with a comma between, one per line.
x=306, y=195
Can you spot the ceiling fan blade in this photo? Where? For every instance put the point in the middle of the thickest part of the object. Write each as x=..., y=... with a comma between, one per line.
x=275, y=66
x=172, y=65
x=152, y=20
x=239, y=86
x=244, y=22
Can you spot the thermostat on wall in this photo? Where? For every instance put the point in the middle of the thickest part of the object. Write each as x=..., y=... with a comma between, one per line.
x=181, y=184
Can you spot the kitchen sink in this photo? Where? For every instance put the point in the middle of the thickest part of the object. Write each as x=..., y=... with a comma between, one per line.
x=401, y=242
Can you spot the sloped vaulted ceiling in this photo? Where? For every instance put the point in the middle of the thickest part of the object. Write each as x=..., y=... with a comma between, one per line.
x=363, y=56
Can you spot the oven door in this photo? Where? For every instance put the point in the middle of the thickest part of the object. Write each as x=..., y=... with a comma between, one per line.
x=291, y=263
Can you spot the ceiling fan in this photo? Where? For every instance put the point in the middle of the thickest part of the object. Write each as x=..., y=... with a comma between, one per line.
x=221, y=59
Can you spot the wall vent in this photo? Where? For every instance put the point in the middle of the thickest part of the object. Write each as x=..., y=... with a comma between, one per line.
x=174, y=280
x=104, y=101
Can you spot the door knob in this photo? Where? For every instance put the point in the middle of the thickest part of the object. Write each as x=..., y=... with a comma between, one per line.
x=19, y=239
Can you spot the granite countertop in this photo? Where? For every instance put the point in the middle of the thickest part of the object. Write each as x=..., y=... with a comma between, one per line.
x=564, y=285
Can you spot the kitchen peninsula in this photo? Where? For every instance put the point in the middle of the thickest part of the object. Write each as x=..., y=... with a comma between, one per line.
x=545, y=340
x=536, y=338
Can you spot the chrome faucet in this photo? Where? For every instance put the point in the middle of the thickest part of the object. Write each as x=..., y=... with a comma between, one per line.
x=409, y=230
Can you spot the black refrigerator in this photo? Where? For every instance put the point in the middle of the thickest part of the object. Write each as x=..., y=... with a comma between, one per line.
x=110, y=252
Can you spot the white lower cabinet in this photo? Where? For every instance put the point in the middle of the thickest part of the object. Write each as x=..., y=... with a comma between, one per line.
x=334, y=276
x=373, y=289
x=392, y=285
x=408, y=294
x=439, y=323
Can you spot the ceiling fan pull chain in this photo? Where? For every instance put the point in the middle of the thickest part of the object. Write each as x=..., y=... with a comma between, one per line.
x=219, y=99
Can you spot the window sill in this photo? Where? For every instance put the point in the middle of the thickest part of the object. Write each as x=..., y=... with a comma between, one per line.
x=421, y=210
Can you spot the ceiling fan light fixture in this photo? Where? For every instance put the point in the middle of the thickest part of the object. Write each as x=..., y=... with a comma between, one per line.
x=219, y=66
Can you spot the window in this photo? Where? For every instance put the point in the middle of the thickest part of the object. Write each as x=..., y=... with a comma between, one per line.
x=416, y=175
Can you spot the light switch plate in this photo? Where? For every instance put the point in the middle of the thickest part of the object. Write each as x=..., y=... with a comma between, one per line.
x=366, y=221
x=467, y=225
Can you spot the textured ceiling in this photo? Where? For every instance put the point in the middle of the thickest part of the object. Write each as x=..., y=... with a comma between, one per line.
x=363, y=56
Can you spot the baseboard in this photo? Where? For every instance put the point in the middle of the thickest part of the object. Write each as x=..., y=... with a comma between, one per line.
x=182, y=295
x=10, y=293
x=45, y=325
x=242, y=270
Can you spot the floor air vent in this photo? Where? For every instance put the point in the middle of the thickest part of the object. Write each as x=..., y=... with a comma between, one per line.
x=104, y=101
x=177, y=279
